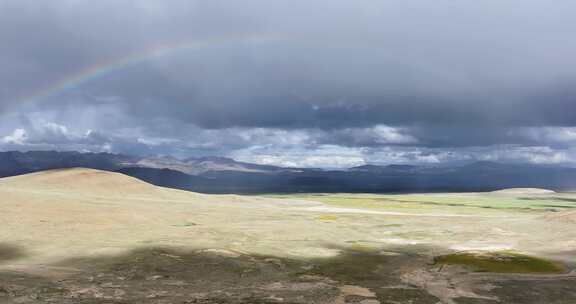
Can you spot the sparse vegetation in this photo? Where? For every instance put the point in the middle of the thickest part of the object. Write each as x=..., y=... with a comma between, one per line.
x=500, y=262
x=455, y=203
x=359, y=247
x=185, y=224
x=166, y=246
x=327, y=217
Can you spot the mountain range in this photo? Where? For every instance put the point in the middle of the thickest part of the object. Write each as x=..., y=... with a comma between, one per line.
x=225, y=175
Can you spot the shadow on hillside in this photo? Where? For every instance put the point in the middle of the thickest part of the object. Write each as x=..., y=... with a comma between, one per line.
x=9, y=252
x=153, y=275
x=165, y=275
x=561, y=199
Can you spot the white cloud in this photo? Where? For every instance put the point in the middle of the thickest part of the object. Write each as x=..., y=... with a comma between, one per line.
x=376, y=135
x=554, y=135
x=151, y=141
x=331, y=156
x=542, y=155
x=106, y=128
x=47, y=135
x=326, y=156
x=18, y=137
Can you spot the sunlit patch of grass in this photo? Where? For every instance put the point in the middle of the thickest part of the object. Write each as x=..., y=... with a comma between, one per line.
x=418, y=234
x=327, y=217
x=500, y=262
x=358, y=247
x=455, y=203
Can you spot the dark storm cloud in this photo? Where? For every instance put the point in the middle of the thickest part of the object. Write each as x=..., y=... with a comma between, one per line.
x=43, y=42
x=436, y=76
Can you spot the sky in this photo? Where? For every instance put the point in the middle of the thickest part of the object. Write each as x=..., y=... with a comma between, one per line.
x=305, y=83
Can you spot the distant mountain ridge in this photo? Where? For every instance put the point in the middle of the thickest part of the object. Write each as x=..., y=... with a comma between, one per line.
x=15, y=162
x=195, y=166
x=225, y=175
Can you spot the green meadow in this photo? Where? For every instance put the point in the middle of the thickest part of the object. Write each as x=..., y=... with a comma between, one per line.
x=461, y=203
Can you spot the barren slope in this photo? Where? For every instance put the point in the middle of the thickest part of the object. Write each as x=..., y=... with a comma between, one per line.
x=83, y=181
x=87, y=236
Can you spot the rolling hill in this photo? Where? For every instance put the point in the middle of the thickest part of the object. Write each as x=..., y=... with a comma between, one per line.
x=224, y=175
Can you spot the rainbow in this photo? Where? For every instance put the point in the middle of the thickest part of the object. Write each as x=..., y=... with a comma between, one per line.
x=103, y=68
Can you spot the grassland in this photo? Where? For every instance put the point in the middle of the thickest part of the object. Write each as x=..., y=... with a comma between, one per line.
x=86, y=236
x=462, y=203
x=500, y=262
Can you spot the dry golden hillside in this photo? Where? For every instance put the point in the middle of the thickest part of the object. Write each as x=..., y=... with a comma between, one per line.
x=88, y=236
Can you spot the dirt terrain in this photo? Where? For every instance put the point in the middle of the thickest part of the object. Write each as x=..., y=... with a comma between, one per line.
x=88, y=236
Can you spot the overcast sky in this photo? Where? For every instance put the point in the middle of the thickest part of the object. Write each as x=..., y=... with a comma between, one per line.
x=316, y=83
